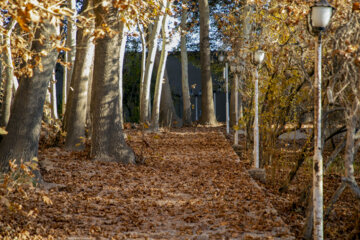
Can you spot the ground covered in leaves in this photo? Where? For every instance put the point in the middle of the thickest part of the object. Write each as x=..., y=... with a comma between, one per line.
x=191, y=185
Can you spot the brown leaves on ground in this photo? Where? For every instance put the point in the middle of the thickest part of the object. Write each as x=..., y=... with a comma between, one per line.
x=191, y=186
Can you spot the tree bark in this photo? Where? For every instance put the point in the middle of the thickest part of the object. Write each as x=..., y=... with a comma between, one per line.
x=145, y=91
x=123, y=40
x=108, y=143
x=207, y=102
x=76, y=107
x=184, y=72
x=9, y=77
x=21, y=142
x=160, y=74
x=168, y=116
x=53, y=100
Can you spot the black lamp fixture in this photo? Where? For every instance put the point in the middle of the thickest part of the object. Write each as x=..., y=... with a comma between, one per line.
x=320, y=15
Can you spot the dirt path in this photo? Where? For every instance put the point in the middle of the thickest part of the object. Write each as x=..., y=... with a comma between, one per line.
x=191, y=186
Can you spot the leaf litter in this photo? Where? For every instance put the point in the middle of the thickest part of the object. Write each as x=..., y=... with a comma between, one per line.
x=190, y=186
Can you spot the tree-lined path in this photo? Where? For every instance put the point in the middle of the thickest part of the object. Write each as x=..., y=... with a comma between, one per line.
x=190, y=186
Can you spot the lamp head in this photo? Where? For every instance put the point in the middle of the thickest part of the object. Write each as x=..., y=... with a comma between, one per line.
x=221, y=57
x=321, y=14
x=259, y=57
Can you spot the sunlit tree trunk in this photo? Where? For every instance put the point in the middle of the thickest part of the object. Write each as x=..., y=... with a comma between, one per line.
x=9, y=76
x=108, y=143
x=54, y=111
x=207, y=102
x=69, y=55
x=160, y=72
x=76, y=107
x=184, y=72
x=145, y=91
x=123, y=39
x=21, y=142
x=143, y=63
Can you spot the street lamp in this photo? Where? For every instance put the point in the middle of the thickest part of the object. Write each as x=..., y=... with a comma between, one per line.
x=320, y=16
x=259, y=56
x=226, y=77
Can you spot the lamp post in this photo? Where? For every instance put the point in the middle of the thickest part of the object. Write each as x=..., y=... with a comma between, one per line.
x=226, y=77
x=258, y=58
x=321, y=14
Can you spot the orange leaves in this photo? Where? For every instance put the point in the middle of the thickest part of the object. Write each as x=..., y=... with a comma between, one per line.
x=356, y=6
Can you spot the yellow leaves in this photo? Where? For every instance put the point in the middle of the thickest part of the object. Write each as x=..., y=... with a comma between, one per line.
x=3, y=131
x=47, y=200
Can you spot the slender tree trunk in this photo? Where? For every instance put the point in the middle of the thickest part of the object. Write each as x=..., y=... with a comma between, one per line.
x=207, y=102
x=123, y=40
x=143, y=64
x=108, y=143
x=184, y=72
x=54, y=112
x=351, y=125
x=9, y=76
x=160, y=74
x=76, y=108
x=71, y=43
x=21, y=142
x=69, y=55
x=145, y=91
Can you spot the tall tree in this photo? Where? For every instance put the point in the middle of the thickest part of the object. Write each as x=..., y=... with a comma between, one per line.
x=184, y=71
x=21, y=142
x=145, y=90
x=207, y=103
x=77, y=102
x=108, y=143
x=69, y=55
x=161, y=70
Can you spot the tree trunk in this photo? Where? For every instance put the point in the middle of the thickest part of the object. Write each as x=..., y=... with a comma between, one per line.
x=143, y=63
x=108, y=143
x=168, y=116
x=53, y=100
x=21, y=142
x=77, y=102
x=145, y=91
x=71, y=43
x=160, y=74
x=351, y=124
x=184, y=72
x=9, y=77
x=207, y=102
x=123, y=40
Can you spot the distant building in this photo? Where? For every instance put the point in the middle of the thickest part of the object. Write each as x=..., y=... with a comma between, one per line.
x=173, y=67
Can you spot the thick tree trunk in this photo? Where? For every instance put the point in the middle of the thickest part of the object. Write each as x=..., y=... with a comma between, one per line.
x=21, y=142
x=168, y=116
x=123, y=39
x=145, y=91
x=76, y=108
x=184, y=72
x=9, y=77
x=108, y=143
x=207, y=102
x=160, y=73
